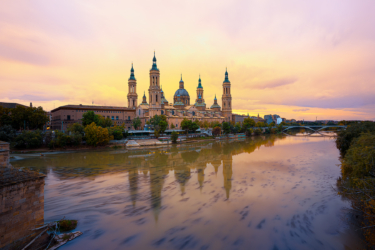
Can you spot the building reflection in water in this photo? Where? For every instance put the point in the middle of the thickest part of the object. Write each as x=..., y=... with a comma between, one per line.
x=156, y=164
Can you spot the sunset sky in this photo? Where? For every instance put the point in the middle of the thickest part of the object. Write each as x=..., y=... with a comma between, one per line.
x=298, y=59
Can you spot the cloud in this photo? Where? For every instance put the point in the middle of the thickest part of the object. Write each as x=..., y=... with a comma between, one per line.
x=300, y=110
x=22, y=55
x=274, y=83
x=39, y=97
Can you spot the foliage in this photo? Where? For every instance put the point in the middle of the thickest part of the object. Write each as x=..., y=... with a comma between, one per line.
x=154, y=121
x=116, y=132
x=76, y=127
x=157, y=133
x=257, y=131
x=226, y=128
x=216, y=131
x=162, y=126
x=96, y=135
x=249, y=132
x=215, y=124
x=206, y=124
x=248, y=123
x=7, y=133
x=260, y=125
x=104, y=122
x=174, y=136
x=272, y=124
x=136, y=123
x=90, y=117
x=29, y=139
x=172, y=126
x=185, y=125
x=359, y=158
x=280, y=127
x=22, y=117
x=194, y=127
x=358, y=180
x=237, y=128
x=345, y=138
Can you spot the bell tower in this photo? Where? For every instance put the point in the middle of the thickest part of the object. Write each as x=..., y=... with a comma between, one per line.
x=226, y=99
x=132, y=90
x=154, y=90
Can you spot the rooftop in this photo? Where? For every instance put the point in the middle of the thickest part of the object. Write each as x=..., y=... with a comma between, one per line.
x=92, y=107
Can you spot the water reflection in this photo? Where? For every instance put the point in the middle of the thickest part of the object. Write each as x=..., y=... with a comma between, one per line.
x=261, y=193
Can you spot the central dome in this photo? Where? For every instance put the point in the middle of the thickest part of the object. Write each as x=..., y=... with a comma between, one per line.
x=181, y=92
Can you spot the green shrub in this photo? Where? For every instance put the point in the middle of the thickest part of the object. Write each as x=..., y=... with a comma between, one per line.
x=345, y=138
x=116, y=132
x=359, y=160
x=96, y=135
x=7, y=133
x=29, y=139
x=174, y=136
x=249, y=132
x=76, y=127
x=257, y=131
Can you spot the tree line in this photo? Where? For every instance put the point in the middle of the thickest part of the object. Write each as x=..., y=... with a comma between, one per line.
x=357, y=148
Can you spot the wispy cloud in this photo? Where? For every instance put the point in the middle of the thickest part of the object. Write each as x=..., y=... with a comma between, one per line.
x=301, y=110
x=274, y=83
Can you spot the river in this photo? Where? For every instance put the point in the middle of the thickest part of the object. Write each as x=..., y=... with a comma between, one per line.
x=275, y=192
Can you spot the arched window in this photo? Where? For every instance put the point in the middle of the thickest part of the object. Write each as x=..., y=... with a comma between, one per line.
x=162, y=112
x=150, y=99
x=186, y=101
x=224, y=104
x=139, y=112
x=133, y=103
x=229, y=105
x=156, y=98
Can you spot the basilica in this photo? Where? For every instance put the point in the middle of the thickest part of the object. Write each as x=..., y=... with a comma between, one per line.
x=182, y=107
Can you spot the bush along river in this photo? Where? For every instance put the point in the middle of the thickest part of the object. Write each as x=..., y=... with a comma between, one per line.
x=266, y=192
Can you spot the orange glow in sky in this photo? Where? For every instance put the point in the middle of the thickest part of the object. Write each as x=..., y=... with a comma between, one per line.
x=298, y=59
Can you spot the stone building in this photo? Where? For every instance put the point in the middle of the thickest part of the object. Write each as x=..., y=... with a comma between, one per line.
x=63, y=116
x=181, y=107
x=21, y=201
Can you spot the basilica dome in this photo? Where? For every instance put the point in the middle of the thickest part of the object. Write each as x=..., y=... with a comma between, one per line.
x=181, y=92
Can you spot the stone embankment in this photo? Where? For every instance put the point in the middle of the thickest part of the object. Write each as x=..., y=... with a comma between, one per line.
x=21, y=201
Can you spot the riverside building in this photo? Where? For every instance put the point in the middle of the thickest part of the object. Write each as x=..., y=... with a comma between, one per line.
x=182, y=106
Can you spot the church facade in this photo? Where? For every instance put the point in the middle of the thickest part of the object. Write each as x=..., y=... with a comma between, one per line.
x=182, y=107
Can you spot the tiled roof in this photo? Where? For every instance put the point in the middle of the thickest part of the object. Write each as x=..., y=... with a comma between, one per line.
x=10, y=105
x=11, y=176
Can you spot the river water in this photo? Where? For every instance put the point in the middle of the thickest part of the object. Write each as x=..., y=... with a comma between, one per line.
x=261, y=193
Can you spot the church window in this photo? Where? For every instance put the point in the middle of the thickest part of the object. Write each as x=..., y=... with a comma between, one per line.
x=229, y=105
x=162, y=112
x=224, y=104
x=133, y=103
x=139, y=112
x=156, y=98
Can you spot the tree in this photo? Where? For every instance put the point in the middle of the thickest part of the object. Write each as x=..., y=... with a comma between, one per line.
x=215, y=124
x=272, y=124
x=260, y=125
x=345, y=138
x=136, y=123
x=216, y=131
x=96, y=135
x=116, y=132
x=226, y=128
x=185, y=125
x=38, y=118
x=162, y=126
x=7, y=133
x=206, y=124
x=76, y=127
x=90, y=117
x=172, y=126
x=248, y=123
x=237, y=128
x=154, y=121
x=194, y=127
x=5, y=118
x=29, y=139
x=104, y=122
x=257, y=131
x=249, y=132
x=174, y=136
